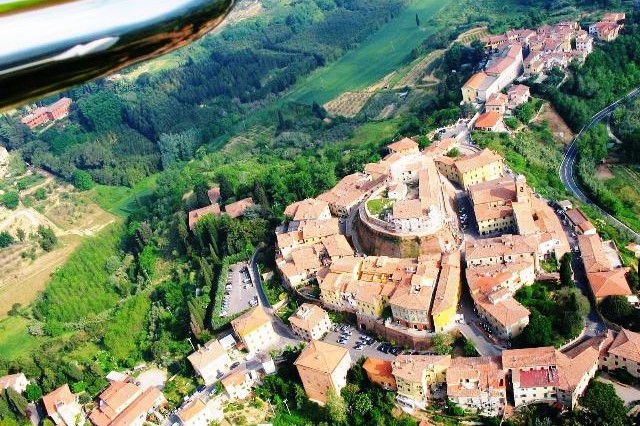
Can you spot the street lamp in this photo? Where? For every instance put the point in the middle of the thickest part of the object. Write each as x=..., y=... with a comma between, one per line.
x=286, y=405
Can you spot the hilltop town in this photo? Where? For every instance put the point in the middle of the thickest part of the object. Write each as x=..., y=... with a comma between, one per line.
x=413, y=274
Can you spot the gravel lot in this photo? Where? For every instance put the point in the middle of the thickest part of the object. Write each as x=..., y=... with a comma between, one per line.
x=239, y=296
x=367, y=350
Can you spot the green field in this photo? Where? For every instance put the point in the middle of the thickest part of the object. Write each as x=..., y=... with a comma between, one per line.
x=15, y=341
x=380, y=54
x=121, y=200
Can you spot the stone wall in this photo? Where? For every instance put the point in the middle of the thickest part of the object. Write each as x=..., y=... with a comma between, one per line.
x=376, y=243
x=397, y=337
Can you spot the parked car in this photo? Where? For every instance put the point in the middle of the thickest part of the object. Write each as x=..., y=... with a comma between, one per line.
x=201, y=388
x=234, y=365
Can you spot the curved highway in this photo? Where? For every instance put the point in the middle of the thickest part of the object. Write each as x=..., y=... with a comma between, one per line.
x=567, y=166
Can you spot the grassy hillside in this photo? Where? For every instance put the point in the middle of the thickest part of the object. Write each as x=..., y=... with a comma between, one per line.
x=382, y=53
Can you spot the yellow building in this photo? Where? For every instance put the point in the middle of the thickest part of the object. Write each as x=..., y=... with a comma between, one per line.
x=445, y=302
x=323, y=367
x=481, y=167
x=370, y=298
x=472, y=169
x=310, y=322
x=418, y=375
x=255, y=329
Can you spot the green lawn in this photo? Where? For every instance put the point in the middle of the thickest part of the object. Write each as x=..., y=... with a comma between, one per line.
x=15, y=341
x=379, y=205
x=383, y=52
x=374, y=132
x=121, y=200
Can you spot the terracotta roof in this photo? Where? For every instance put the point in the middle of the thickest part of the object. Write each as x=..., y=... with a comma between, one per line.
x=447, y=289
x=235, y=210
x=305, y=258
x=407, y=209
x=205, y=355
x=308, y=316
x=116, y=398
x=573, y=369
x=309, y=209
x=518, y=90
x=378, y=367
x=524, y=218
x=497, y=99
x=484, y=212
x=334, y=282
x=251, y=321
x=319, y=228
x=191, y=410
x=195, y=215
x=411, y=367
x=613, y=17
x=507, y=312
x=403, y=145
x=321, y=356
x=488, y=120
x=337, y=246
x=593, y=254
x=493, y=191
x=62, y=395
x=609, y=283
x=475, y=161
x=141, y=406
x=381, y=168
x=237, y=378
x=472, y=376
x=476, y=80
x=366, y=292
x=626, y=344
x=580, y=220
x=499, y=246
x=412, y=297
x=214, y=194
x=530, y=357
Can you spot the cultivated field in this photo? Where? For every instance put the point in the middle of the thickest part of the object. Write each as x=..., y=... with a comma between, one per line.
x=348, y=104
x=472, y=35
x=24, y=267
x=378, y=56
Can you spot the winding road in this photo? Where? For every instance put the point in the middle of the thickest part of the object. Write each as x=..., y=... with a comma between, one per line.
x=567, y=166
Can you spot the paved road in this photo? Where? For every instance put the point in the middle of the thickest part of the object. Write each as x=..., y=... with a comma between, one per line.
x=256, y=278
x=568, y=164
x=239, y=296
x=285, y=333
x=367, y=351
